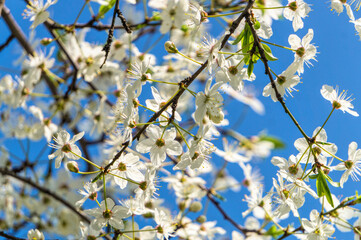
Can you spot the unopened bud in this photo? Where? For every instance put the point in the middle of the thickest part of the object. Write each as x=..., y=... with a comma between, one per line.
x=73, y=166
x=182, y=206
x=195, y=207
x=170, y=47
x=201, y=219
x=257, y=25
x=46, y=41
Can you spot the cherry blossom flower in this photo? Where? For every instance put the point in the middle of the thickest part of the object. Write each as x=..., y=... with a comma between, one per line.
x=164, y=227
x=65, y=147
x=338, y=6
x=315, y=228
x=321, y=149
x=91, y=192
x=285, y=82
x=139, y=73
x=108, y=213
x=37, y=11
x=305, y=51
x=340, y=216
x=231, y=153
x=288, y=169
x=296, y=10
x=232, y=72
x=43, y=128
x=352, y=165
x=127, y=166
x=159, y=144
x=175, y=13
x=209, y=103
x=338, y=101
x=157, y=103
x=35, y=234
x=357, y=24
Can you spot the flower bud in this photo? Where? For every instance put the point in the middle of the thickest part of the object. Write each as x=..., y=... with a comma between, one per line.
x=170, y=47
x=182, y=206
x=46, y=41
x=72, y=166
x=201, y=219
x=195, y=207
x=257, y=25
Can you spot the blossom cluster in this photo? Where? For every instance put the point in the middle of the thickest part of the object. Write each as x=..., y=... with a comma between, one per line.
x=121, y=122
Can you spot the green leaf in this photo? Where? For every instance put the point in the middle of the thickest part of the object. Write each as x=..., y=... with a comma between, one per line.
x=274, y=232
x=329, y=179
x=250, y=68
x=276, y=141
x=238, y=38
x=105, y=8
x=268, y=53
x=322, y=187
x=313, y=176
x=97, y=177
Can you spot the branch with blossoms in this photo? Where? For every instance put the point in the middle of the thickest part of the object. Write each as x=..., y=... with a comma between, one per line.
x=114, y=115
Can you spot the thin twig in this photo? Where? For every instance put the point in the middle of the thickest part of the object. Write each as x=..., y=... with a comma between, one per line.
x=7, y=42
x=108, y=44
x=42, y=189
x=7, y=236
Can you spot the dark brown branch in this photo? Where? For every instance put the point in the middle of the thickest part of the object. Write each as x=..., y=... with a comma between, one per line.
x=124, y=21
x=7, y=42
x=91, y=25
x=20, y=36
x=257, y=43
x=108, y=44
x=42, y=189
x=7, y=236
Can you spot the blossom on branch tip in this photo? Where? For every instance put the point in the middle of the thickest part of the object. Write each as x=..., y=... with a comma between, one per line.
x=338, y=101
x=37, y=11
x=352, y=166
x=65, y=147
x=295, y=11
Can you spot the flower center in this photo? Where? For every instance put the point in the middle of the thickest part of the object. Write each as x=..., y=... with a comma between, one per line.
x=246, y=182
x=300, y=51
x=66, y=148
x=195, y=156
x=233, y=70
x=281, y=80
x=107, y=214
x=293, y=169
x=286, y=193
x=160, y=229
x=293, y=6
x=47, y=121
x=348, y=164
x=160, y=142
x=93, y=196
x=143, y=185
x=89, y=61
x=122, y=167
x=336, y=104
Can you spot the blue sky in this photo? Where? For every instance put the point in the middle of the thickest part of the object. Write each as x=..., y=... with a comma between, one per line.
x=338, y=63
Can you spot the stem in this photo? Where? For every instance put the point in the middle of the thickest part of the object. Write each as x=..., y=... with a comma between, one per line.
x=314, y=137
x=88, y=161
x=274, y=44
x=225, y=14
x=126, y=179
x=157, y=81
x=191, y=59
x=81, y=10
